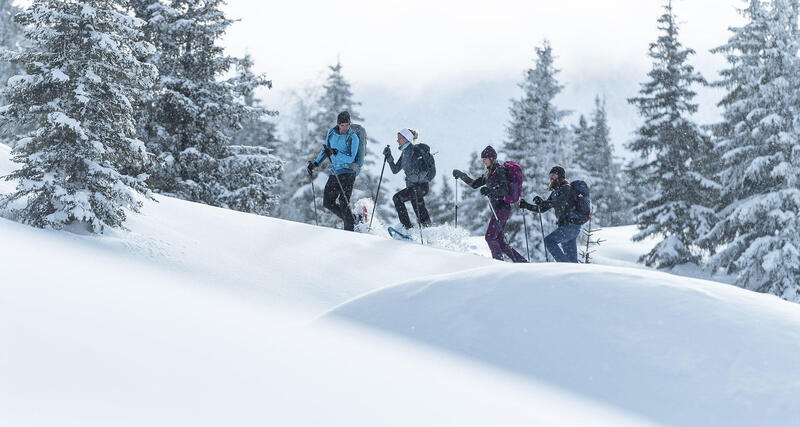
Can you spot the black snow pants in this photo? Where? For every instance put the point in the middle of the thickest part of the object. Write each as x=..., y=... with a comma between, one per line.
x=339, y=203
x=415, y=194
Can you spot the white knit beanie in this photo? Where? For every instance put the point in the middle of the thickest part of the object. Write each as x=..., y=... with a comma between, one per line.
x=407, y=134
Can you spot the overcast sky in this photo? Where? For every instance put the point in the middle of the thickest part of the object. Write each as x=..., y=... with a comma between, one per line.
x=449, y=68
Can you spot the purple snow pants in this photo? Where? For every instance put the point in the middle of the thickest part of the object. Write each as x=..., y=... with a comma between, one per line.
x=496, y=240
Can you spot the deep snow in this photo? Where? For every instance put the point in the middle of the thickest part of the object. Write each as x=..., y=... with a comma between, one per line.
x=674, y=350
x=90, y=339
x=199, y=316
x=196, y=315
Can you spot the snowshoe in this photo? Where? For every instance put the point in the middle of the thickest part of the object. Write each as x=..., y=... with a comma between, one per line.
x=399, y=235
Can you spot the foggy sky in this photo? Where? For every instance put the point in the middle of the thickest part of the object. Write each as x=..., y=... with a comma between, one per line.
x=450, y=68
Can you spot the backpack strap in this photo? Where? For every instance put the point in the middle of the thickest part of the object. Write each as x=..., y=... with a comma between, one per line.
x=348, y=141
x=328, y=137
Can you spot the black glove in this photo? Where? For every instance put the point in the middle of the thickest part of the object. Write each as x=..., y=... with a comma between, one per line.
x=310, y=167
x=537, y=200
x=485, y=191
x=525, y=205
x=329, y=152
x=458, y=174
x=387, y=152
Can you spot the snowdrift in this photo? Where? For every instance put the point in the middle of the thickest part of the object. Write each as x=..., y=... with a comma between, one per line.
x=88, y=340
x=176, y=321
x=195, y=315
x=674, y=350
x=268, y=259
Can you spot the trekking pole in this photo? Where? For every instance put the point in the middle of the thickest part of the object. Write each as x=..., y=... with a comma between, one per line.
x=456, y=201
x=525, y=224
x=419, y=221
x=314, y=194
x=541, y=224
x=492, y=209
x=377, y=191
x=341, y=188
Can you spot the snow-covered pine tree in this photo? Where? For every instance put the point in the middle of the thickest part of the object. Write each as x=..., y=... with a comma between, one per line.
x=635, y=172
x=583, y=158
x=677, y=152
x=440, y=201
x=297, y=202
x=253, y=169
x=594, y=159
x=536, y=138
x=80, y=165
x=11, y=36
x=258, y=131
x=758, y=146
x=188, y=118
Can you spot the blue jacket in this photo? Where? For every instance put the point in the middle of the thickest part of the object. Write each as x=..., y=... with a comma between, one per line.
x=347, y=146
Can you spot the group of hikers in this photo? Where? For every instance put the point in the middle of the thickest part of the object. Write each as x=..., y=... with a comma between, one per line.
x=500, y=182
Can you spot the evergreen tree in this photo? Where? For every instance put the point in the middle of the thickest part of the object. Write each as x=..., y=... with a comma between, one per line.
x=295, y=188
x=440, y=202
x=583, y=159
x=759, y=155
x=676, y=151
x=11, y=37
x=188, y=119
x=258, y=131
x=536, y=138
x=83, y=74
x=634, y=178
x=595, y=163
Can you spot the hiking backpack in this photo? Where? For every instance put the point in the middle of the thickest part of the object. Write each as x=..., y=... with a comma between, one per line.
x=581, y=210
x=426, y=161
x=362, y=145
x=515, y=179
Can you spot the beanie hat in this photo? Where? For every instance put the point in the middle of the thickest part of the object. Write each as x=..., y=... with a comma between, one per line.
x=559, y=170
x=344, y=117
x=407, y=134
x=488, y=153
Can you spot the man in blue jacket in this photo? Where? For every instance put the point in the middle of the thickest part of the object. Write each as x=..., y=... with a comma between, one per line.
x=341, y=147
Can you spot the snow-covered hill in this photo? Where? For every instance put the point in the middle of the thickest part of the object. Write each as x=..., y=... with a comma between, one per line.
x=674, y=350
x=90, y=338
x=203, y=316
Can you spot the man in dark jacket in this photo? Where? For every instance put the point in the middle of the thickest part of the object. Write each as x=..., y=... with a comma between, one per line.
x=561, y=243
x=413, y=164
x=494, y=184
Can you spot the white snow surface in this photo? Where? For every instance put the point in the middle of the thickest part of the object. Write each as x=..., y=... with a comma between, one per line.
x=91, y=338
x=199, y=316
x=674, y=350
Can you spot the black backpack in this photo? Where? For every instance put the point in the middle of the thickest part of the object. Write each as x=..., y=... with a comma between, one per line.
x=426, y=161
x=581, y=207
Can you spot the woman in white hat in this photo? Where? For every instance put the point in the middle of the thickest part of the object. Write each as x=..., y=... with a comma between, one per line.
x=414, y=161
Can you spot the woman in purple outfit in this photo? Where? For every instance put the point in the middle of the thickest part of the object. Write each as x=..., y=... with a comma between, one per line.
x=494, y=184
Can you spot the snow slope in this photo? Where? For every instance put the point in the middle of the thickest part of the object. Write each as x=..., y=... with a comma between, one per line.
x=176, y=322
x=269, y=259
x=674, y=350
x=89, y=340
x=200, y=316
